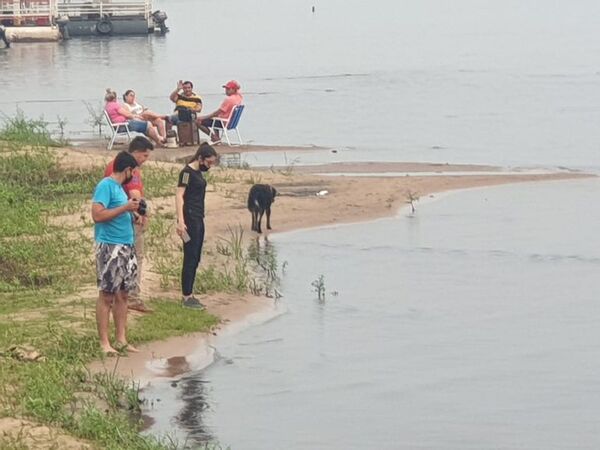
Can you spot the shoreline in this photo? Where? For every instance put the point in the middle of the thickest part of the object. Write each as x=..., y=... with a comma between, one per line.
x=238, y=266
x=179, y=154
x=176, y=356
x=350, y=199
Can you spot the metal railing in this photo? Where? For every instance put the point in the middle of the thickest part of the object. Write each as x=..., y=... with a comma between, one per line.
x=111, y=8
x=18, y=9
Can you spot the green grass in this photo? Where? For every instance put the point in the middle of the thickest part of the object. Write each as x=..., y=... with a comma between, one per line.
x=161, y=182
x=49, y=391
x=34, y=187
x=16, y=301
x=238, y=269
x=160, y=324
x=52, y=260
x=39, y=264
x=24, y=131
x=34, y=254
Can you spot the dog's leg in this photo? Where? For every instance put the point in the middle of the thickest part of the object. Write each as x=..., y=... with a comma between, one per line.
x=258, y=230
x=269, y=218
x=254, y=219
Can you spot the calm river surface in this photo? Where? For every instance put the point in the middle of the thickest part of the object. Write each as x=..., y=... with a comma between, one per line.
x=512, y=82
x=471, y=325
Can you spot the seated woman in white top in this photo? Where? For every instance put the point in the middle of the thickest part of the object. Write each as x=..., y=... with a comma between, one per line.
x=118, y=113
x=134, y=107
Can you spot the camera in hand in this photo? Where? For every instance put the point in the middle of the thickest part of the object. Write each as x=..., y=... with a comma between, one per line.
x=142, y=208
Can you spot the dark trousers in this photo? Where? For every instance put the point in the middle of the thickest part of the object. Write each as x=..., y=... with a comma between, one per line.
x=192, y=251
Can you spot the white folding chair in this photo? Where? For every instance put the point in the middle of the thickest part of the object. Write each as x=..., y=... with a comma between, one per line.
x=231, y=123
x=117, y=129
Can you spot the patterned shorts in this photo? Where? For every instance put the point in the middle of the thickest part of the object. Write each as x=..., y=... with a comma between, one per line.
x=116, y=268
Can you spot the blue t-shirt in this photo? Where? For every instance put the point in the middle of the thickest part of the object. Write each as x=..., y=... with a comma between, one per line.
x=119, y=230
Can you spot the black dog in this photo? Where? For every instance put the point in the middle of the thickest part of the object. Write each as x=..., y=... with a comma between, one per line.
x=260, y=198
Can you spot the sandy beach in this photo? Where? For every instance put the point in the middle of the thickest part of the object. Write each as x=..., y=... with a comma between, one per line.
x=362, y=197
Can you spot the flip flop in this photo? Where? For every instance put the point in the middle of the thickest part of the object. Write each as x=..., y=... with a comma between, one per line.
x=124, y=349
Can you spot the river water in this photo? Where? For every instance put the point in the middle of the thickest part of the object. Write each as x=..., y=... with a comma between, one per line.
x=471, y=324
x=510, y=82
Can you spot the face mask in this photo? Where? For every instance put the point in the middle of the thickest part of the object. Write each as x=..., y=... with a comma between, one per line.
x=203, y=168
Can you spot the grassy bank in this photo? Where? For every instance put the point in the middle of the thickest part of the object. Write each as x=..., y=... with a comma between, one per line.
x=47, y=298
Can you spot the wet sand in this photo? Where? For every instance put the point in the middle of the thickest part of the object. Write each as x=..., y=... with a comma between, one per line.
x=178, y=355
x=348, y=199
x=93, y=147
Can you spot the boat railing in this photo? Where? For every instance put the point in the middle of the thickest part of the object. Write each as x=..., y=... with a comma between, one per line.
x=111, y=8
x=24, y=10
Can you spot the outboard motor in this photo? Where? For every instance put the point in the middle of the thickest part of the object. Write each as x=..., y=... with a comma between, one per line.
x=159, y=18
x=62, y=22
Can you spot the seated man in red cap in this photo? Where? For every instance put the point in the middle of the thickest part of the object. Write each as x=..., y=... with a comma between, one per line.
x=233, y=99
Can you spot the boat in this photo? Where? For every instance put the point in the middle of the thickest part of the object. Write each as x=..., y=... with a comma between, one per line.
x=16, y=13
x=106, y=18
x=81, y=18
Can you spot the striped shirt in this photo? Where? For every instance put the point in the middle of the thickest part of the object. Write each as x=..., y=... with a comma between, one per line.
x=188, y=102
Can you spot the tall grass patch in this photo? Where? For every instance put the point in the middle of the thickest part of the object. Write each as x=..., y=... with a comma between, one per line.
x=35, y=254
x=25, y=131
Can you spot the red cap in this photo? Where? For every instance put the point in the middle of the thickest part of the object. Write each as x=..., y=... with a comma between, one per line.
x=232, y=84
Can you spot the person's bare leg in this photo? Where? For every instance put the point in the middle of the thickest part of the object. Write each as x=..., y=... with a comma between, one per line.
x=153, y=134
x=160, y=126
x=202, y=128
x=215, y=138
x=151, y=115
x=102, y=319
x=120, y=316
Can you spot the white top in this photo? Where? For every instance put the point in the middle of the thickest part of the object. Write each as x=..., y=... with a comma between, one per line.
x=136, y=108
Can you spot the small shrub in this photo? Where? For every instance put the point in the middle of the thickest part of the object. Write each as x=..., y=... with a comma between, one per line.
x=411, y=198
x=319, y=287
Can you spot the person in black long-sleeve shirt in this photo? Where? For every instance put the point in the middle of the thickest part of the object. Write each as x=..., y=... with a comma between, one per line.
x=191, y=190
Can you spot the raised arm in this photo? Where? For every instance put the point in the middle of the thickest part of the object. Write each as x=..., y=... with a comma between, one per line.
x=175, y=93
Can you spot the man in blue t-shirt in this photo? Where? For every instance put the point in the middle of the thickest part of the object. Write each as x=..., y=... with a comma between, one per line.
x=116, y=263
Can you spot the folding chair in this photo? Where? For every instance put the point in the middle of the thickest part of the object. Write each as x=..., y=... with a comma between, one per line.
x=117, y=129
x=231, y=123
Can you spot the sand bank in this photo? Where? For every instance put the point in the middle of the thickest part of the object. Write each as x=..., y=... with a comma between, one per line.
x=348, y=199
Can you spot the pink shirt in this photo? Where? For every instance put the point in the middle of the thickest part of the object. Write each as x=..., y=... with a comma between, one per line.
x=112, y=108
x=228, y=104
